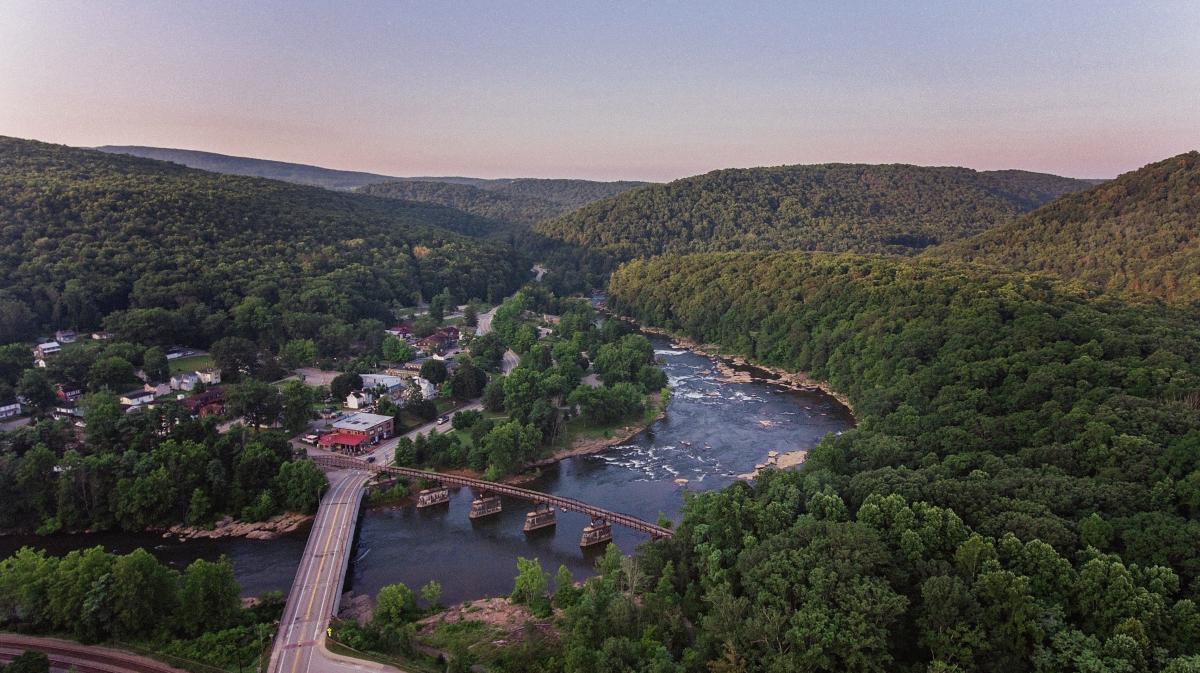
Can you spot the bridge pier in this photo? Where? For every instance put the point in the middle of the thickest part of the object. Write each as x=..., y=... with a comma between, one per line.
x=541, y=517
x=484, y=504
x=597, y=532
x=432, y=497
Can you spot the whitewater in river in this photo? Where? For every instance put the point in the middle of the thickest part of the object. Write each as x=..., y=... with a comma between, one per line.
x=712, y=432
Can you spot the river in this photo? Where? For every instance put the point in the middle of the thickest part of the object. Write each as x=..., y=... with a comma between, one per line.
x=713, y=431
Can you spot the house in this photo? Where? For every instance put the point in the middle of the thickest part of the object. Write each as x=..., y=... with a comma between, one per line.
x=101, y=336
x=67, y=393
x=355, y=433
x=390, y=384
x=185, y=381
x=209, y=376
x=46, y=349
x=137, y=397
x=10, y=409
x=68, y=411
x=65, y=336
x=159, y=389
x=434, y=343
x=211, y=402
x=450, y=332
x=360, y=399
x=403, y=330
x=428, y=390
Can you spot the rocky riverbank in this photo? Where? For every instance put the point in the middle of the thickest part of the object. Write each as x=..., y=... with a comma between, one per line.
x=280, y=524
x=738, y=369
x=584, y=446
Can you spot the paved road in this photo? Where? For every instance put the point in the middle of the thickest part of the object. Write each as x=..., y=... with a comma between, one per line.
x=386, y=451
x=300, y=644
x=484, y=324
x=66, y=655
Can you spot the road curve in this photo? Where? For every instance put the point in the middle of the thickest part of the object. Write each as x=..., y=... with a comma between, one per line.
x=300, y=644
x=65, y=654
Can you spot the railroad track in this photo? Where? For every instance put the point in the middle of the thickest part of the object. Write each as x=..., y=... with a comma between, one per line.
x=64, y=654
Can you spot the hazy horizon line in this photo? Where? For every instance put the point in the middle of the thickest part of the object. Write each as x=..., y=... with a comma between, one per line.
x=484, y=176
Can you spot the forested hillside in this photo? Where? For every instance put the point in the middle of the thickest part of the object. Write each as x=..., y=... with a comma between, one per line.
x=516, y=211
x=1021, y=493
x=302, y=174
x=163, y=254
x=831, y=207
x=1138, y=234
x=565, y=192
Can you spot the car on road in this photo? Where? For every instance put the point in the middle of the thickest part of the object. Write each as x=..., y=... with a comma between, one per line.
x=443, y=420
x=370, y=459
x=311, y=440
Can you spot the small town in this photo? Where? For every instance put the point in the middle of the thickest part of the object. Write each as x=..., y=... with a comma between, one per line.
x=599, y=337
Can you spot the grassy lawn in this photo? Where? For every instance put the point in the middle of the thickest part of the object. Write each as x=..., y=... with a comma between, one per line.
x=190, y=363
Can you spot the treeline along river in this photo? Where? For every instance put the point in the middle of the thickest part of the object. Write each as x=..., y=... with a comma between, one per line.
x=713, y=431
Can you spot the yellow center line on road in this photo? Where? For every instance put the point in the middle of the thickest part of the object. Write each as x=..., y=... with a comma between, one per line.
x=320, y=568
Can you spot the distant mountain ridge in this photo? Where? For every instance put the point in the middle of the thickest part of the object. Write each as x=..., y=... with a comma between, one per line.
x=489, y=203
x=567, y=192
x=521, y=202
x=303, y=174
x=893, y=208
x=1137, y=234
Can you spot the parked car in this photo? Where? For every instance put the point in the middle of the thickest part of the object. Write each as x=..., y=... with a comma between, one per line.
x=443, y=420
x=311, y=439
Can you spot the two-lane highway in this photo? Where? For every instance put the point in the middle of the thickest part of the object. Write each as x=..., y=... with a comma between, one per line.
x=300, y=644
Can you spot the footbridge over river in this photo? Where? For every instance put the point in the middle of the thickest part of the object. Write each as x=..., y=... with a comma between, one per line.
x=316, y=592
x=486, y=488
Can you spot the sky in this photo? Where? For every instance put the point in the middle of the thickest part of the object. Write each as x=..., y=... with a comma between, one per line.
x=613, y=90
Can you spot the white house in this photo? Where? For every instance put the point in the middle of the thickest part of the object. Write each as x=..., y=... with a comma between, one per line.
x=9, y=410
x=428, y=390
x=359, y=399
x=134, y=398
x=391, y=384
x=159, y=389
x=46, y=349
x=66, y=336
x=184, y=381
x=209, y=376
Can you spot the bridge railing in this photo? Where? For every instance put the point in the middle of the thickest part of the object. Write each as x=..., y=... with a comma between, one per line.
x=568, y=504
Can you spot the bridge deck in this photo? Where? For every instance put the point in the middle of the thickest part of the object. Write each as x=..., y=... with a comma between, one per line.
x=568, y=504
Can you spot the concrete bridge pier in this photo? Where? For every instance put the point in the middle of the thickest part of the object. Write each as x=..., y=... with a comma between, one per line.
x=484, y=504
x=431, y=497
x=541, y=517
x=597, y=532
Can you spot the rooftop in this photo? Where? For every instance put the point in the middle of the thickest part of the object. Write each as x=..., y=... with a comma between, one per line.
x=341, y=438
x=361, y=421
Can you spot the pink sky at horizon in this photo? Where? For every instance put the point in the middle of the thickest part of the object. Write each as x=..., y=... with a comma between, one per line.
x=613, y=91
